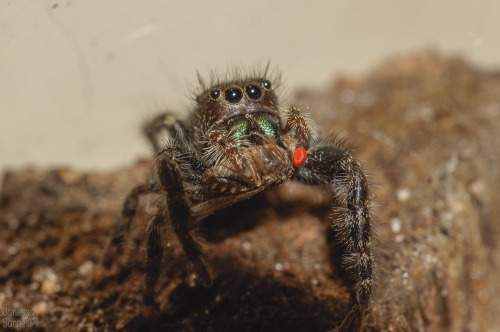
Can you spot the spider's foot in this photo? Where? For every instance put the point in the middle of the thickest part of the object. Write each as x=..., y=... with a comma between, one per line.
x=104, y=266
x=151, y=309
x=353, y=321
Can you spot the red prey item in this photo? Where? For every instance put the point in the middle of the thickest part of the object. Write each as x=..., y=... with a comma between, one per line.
x=299, y=156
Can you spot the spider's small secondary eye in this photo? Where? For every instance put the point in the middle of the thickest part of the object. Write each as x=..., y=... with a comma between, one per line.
x=234, y=94
x=253, y=91
x=215, y=94
x=266, y=84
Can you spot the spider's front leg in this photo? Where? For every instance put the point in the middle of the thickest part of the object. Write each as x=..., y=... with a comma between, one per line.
x=175, y=208
x=336, y=166
x=173, y=127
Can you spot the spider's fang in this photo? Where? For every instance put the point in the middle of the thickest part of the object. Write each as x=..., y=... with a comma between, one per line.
x=299, y=157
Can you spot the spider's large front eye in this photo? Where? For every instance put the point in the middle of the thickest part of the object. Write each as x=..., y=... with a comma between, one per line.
x=253, y=91
x=234, y=94
x=215, y=94
x=266, y=84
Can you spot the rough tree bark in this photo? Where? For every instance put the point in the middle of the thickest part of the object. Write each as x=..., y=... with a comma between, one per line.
x=425, y=125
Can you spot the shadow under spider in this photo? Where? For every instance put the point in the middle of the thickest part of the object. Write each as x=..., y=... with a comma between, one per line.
x=244, y=299
x=246, y=215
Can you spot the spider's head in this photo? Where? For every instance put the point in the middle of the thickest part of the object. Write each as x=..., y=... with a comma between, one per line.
x=247, y=108
x=238, y=98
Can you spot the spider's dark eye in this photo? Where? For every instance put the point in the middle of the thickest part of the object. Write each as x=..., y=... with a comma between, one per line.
x=234, y=94
x=253, y=91
x=215, y=94
x=266, y=84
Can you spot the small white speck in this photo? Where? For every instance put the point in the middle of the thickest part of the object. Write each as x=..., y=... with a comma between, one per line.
x=50, y=286
x=493, y=109
x=448, y=216
x=141, y=32
x=425, y=112
x=403, y=194
x=428, y=259
x=479, y=187
x=476, y=40
x=48, y=280
x=405, y=278
x=247, y=245
x=396, y=225
x=399, y=238
x=452, y=164
x=278, y=267
x=86, y=269
x=40, y=308
x=14, y=249
x=192, y=280
x=347, y=96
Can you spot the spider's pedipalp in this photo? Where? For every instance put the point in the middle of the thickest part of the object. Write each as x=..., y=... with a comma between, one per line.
x=301, y=122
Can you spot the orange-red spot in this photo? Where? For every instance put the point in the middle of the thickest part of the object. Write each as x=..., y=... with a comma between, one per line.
x=299, y=157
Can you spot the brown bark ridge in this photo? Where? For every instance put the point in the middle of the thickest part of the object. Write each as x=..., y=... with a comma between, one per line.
x=426, y=127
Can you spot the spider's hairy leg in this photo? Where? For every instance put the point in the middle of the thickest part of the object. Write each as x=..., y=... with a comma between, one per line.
x=168, y=122
x=121, y=229
x=336, y=166
x=169, y=176
x=299, y=122
x=153, y=261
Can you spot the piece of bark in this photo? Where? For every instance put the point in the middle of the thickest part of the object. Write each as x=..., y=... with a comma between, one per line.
x=426, y=128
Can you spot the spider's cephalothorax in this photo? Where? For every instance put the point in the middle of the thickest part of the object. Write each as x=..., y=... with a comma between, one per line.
x=238, y=129
x=233, y=146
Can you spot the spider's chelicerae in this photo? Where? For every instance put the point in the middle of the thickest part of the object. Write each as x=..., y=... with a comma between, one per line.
x=233, y=146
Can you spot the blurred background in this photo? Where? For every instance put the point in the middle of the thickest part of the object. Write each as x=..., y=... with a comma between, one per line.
x=79, y=77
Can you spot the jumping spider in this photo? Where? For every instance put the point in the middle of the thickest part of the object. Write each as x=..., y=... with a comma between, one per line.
x=234, y=146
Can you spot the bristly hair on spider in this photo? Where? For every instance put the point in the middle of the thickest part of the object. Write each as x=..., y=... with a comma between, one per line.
x=235, y=73
x=238, y=141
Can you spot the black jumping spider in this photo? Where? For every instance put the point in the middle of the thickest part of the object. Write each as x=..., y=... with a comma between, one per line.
x=233, y=146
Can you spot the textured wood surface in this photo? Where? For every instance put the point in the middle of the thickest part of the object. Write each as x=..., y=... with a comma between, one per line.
x=427, y=128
